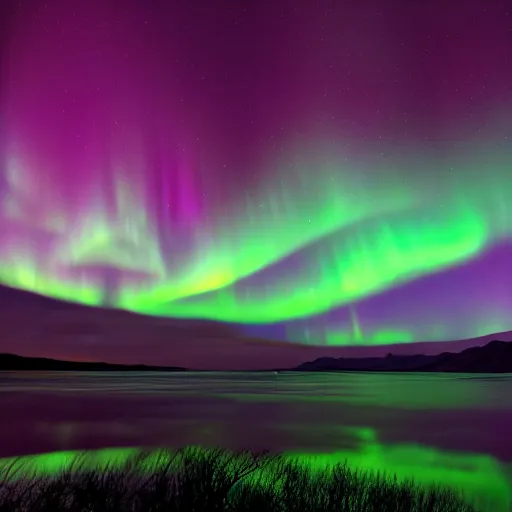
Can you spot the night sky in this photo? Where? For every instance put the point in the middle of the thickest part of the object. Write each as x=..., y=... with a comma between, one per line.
x=328, y=172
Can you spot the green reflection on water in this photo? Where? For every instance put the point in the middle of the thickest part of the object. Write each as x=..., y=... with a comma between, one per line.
x=483, y=479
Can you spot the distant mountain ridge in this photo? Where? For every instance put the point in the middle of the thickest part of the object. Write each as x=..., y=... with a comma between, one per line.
x=12, y=362
x=495, y=357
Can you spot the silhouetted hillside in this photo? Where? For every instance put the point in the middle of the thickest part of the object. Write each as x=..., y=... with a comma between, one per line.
x=495, y=357
x=35, y=326
x=11, y=362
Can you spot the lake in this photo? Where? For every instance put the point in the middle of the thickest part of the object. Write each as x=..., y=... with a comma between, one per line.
x=447, y=428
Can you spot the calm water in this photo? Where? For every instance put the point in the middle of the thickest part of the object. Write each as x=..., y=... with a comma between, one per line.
x=435, y=427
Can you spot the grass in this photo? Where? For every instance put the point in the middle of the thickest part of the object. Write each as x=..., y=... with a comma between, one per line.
x=196, y=479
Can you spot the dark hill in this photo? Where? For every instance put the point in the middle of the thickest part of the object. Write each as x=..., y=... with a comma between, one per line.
x=495, y=357
x=11, y=362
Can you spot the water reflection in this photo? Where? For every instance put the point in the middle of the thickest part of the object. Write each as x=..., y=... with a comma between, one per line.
x=444, y=428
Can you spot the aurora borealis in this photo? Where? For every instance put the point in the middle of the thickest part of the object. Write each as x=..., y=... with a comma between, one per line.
x=315, y=172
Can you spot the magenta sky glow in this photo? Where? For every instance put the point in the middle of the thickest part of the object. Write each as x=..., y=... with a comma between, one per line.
x=325, y=173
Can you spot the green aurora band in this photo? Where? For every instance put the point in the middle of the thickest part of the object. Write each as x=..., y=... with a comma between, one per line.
x=356, y=235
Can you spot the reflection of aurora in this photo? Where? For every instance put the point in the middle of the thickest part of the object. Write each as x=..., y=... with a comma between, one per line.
x=295, y=250
x=481, y=478
x=446, y=428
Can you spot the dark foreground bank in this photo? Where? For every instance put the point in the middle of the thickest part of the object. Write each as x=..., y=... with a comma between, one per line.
x=206, y=480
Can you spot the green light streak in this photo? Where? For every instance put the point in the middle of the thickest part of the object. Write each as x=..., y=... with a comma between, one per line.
x=380, y=337
x=349, y=267
x=127, y=245
x=356, y=233
x=245, y=241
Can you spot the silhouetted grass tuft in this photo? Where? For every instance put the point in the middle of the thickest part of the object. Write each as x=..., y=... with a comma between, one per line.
x=207, y=480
